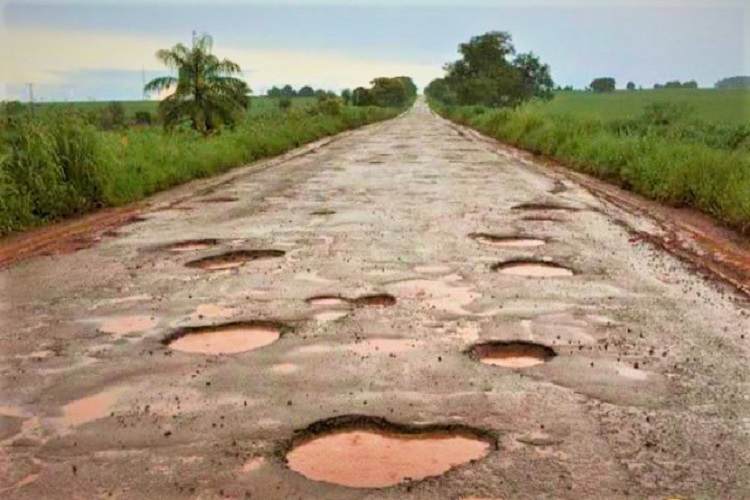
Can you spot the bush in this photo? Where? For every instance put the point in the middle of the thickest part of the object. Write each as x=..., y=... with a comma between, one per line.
x=285, y=103
x=143, y=118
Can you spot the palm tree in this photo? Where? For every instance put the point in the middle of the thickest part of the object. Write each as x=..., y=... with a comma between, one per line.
x=206, y=90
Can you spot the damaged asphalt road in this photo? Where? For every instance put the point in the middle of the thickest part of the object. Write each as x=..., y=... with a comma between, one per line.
x=403, y=288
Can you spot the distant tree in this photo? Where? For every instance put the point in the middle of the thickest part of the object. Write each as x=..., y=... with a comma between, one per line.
x=362, y=97
x=274, y=92
x=207, y=92
x=692, y=84
x=658, y=86
x=409, y=85
x=441, y=91
x=389, y=92
x=605, y=84
x=674, y=84
x=288, y=91
x=490, y=73
x=346, y=96
x=306, y=91
x=735, y=82
x=631, y=86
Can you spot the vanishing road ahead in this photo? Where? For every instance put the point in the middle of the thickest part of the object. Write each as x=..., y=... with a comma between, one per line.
x=406, y=288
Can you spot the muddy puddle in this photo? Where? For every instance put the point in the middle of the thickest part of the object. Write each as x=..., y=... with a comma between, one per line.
x=382, y=454
x=498, y=241
x=233, y=260
x=88, y=409
x=127, y=325
x=512, y=354
x=532, y=269
x=327, y=300
x=329, y=316
x=225, y=339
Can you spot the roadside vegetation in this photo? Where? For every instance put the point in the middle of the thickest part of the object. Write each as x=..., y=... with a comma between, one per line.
x=680, y=146
x=65, y=161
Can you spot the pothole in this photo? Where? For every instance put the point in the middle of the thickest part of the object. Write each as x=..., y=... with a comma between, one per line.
x=532, y=268
x=378, y=300
x=512, y=354
x=545, y=206
x=192, y=245
x=506, y=241
x=327, y=300
x=233, y=260
x=370, y=452
x=219, y=199
x=323, y=212
x=231, y=338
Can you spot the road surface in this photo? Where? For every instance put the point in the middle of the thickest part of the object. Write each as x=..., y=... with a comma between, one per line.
x=645, y=395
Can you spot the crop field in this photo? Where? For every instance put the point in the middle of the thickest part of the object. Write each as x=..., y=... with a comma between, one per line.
x=731, y=106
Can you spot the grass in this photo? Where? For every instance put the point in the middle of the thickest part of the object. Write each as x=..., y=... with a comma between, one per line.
x=58, y=164
x=730, y=106
x=693, y=153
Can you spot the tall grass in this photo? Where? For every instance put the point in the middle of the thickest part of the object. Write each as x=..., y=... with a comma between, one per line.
x=662, y=154
x=59, y=165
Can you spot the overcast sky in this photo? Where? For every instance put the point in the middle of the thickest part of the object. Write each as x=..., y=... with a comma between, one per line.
x=101, y=49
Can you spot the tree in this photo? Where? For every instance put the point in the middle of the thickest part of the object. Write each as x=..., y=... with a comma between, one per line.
x=389, y=93
x=307, y=91
x=274, y=92
x=490, y=73
x=207, y=92
x=692, y=84
x=605, y=84
x=631, y=86
x=346, y=96
x=288, y=91
x=362, y=97
x=735, y=82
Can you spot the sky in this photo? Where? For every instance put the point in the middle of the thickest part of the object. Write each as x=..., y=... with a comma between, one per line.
x=103, y=50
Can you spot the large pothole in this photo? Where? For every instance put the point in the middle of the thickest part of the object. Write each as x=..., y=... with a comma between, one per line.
x=230, y=338
x=233, y=260
x=494, y=240
x=532, y=268
x=370, y=452
x=516, y=354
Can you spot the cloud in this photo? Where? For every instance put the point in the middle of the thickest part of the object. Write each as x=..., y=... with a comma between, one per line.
x=59, y=59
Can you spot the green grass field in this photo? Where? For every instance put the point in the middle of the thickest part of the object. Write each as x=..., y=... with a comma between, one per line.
x=730, y=106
